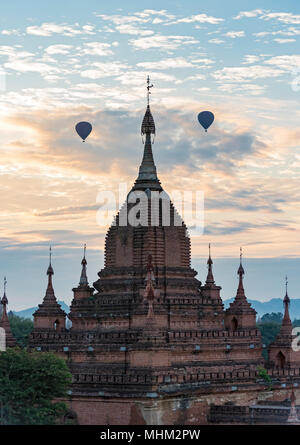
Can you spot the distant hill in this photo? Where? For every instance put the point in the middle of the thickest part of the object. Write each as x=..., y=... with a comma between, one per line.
x=273, y=305
x=28, y=313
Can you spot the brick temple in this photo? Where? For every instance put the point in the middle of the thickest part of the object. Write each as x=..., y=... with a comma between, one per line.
x=151, y=344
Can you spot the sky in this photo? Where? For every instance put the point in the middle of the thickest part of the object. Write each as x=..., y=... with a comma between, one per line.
x=71, y=61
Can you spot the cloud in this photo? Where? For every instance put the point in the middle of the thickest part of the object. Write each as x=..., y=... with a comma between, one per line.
x=284, y=40
x=235, y=34
x=100, y=70
x=249, y=14
x=48, y=29
x=290, y=31
x=285, y=62
x=97, y=49
x=233, y=227
x=24, y=62
x=133, y=30
x=41, y=239
x=250, y=58
x=149, y=12
x=123, y=19
x=176, y=62
x=199, y=18
x=27, y=66
x=58, y=49
x=130, y=24
x=244, y=74
x=244, y=88
x=10, y=32
x=89, y=29
x=284, y=17
x=140, y=76
x=216, y=41
x=162, y=42
x=242, y=200
x=67, y=210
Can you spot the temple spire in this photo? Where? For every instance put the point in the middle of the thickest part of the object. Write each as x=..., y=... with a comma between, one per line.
x=240, y=291
x=4, y=302
x=210, y=278
x=4, y=321
x=50, y=273
x=83, y=278
x=147, y=177
x=286, y=302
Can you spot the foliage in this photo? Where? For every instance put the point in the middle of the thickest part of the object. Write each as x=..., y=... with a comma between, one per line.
x=29, y=384
x=263, y=374
x=296, y=323
x=21, y=328
x=269, y=326
x=272, y=318
x=269, y=333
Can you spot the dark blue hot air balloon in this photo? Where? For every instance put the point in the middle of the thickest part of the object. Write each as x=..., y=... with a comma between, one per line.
x=83, y=129
x=206, y=118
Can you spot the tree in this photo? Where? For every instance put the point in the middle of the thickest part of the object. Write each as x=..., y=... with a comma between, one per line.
x=20, y=328
x=274, y=317
x=269, y=332
x=263, y=374
x=30, y=384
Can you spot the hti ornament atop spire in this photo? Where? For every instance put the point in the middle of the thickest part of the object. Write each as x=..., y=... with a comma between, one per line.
x=148, y=126
x=241, y=269
x=148, y=90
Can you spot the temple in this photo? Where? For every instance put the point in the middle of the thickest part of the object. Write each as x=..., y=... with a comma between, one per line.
x=149, y=342
x=281, y=354
x=9, y=341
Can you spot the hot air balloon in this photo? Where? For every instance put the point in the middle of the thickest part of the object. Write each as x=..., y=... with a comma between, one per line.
x=206, y=118
x=83, y=129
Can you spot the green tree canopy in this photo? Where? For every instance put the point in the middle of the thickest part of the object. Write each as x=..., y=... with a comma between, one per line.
x=274, y=317
x=30, y=384
x=20, y=328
